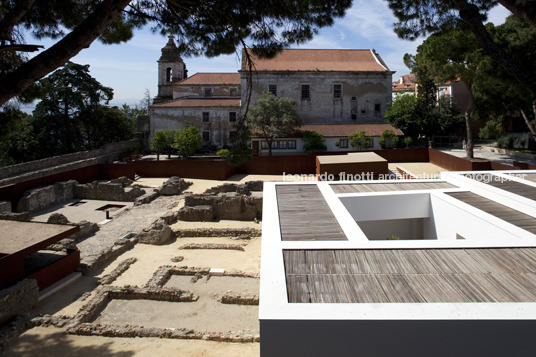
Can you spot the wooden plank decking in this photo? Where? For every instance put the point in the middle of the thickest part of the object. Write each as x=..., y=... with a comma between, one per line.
x=498, y=210
x=514, y=187
x=530, y=177
x=379, y=187
x=305, y=215
x=411, y=275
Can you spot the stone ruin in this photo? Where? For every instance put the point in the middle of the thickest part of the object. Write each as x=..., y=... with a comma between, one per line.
x=86, y=228
x=120, y=189
x=228, y=206
x=228, y=201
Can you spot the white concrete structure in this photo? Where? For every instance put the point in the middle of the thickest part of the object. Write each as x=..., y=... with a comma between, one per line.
x=389, y=305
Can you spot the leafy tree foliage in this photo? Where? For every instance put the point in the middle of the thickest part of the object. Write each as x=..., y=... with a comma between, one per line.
x=388, y=139
x=70, y=116
x=132, y=114
x=359, y=139
x=498, y=95
x=313, y=142
x=188, y=141
x=240, y=150
x=163, y=142
x=273, y=117
x=419, y=117
x=210, y=27
x=450, y=55
x=422, y=17
x=15, y=137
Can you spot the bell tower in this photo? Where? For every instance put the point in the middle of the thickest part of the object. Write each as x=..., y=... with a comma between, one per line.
x=171, y=69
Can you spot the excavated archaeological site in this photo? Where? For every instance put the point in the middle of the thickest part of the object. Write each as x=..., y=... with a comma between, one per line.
x=167, y=265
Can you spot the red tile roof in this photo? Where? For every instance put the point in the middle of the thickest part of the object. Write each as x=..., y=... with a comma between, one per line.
x=320, y=60
x=211, y=78
x=342, y=130
x=201, y=102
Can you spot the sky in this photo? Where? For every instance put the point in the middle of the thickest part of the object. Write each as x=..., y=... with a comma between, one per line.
x=130, y=68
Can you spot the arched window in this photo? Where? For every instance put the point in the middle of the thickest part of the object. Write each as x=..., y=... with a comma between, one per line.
x=169, y=74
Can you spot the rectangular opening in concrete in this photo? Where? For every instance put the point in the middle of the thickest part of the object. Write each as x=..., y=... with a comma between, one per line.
x=396, y=229
x=204, y=314
x=110, y=207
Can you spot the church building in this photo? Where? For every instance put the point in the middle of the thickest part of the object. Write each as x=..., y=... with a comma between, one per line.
x=337, y=92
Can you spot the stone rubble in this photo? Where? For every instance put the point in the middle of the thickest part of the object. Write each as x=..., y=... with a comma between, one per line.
x=239, y=298
x=225, y=206
x=157, y=234
x=233, y=233
x=212, y=246
x=116, y=273
x=174, y=186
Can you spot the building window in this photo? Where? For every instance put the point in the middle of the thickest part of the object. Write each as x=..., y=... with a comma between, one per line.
x=283, y=144
x=363, y=111
x=291, y=144
x=377, y=108
x=343, y=143
x=370, y=143
x=232, y=116
x=206, y=135
x=232, y=92
x=274, y=145
x=305, y=91
x=354, y=116
x=206, y=117
x=272, y=88
x=354, y=98
x=264, y=145
x=208, y=92
x=337, y=91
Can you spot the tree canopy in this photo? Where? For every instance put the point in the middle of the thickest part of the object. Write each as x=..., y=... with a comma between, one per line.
x=422, y=17
x=359, y=139
x=208, y=28
x=188, y=141
x=313, y=142
x=273, y=117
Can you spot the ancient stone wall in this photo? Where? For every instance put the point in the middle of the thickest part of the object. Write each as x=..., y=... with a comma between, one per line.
x=44, y=197
x=230, y=206
x=18, y=299
x=53, y=165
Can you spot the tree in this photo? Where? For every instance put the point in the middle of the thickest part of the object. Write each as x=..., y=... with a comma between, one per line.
x=206, y=28
x=450, y=55
x=417, y=18
x=499, y=96
x=273, y=117
x=16, y=139
x=313, y=142
x=359, y=139
x=70, y=117
x=388, y=139
x=163, y=142
x=132, y=114
x=188, y=141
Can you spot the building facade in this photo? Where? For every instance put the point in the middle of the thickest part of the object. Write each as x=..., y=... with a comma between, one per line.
x=331, y=87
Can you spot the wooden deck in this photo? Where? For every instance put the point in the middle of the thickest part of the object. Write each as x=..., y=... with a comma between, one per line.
x=514, y=187
x=498, y=210
x=379, y=187
x=304, y=214
x=530, y=177
x=411, y=275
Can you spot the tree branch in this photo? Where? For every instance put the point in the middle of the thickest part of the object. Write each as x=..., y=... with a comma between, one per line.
x=469, y=13
x=13, y=17
x=14, y=83
x=526, y=12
